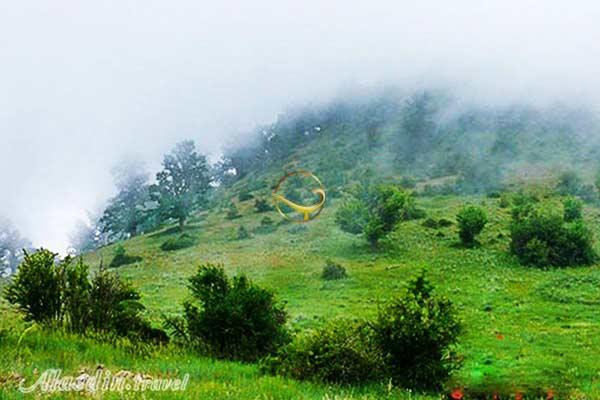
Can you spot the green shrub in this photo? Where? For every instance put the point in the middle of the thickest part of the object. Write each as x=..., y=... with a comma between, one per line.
x=376, y=211
x=471, y=221
x=262, y=205
x=504, y=201
x=431, y=223
x=245, y=195
x=105, y=304
x=233, y=212
x=573, y=209
x=242, y=233
x=416, y=332
x=122, y=258
x=182, y=241
x=234, y=318
x=542, y=238
x=333, y=271
x=569, y=183
x=266, y=221
x=267, y=225
x=343, y=352
x=444, y=222
x=36, y=287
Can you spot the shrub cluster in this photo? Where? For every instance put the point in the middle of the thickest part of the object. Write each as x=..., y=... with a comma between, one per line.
x=410, y=342
x=376, y=211
x=182, y=241
x=233, y=319
x=543, y=238
x=62, y=294
x=333, y=271
x=262, y=205
x=121, y=257
x=471, y=221
x=242, y=233
x=573, y=209
x=233, y=212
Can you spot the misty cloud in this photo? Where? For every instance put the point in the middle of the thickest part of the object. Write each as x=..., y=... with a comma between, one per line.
x=84, y=85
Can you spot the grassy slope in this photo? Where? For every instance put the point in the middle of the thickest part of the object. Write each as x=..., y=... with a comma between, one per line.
x=523, y=328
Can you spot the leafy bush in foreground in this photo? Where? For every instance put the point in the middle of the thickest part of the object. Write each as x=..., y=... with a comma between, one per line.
x=471, y=221
x=341, y=352
x=573, y=209
x=36, y=287
x=242, y=233
x=415, y=333
x=61, y=293
x=333, y=271
x=234, y=318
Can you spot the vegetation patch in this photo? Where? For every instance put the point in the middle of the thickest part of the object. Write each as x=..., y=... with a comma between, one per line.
x=333, y=271
x=583, y=289
x=182, y=241
x=122, y=258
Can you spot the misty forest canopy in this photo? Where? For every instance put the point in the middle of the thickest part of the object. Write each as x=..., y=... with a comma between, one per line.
x=423, y=136
x=12, y=246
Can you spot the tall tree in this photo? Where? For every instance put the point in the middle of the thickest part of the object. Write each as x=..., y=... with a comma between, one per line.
x=183, y=183
x=12, y=245
x=127, y=211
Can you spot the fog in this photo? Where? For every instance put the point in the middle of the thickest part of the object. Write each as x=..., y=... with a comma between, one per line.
x=84, y=85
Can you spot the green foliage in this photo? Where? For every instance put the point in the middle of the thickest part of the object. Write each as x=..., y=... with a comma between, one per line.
x=431, y=223
x=126, y=214
x=504, y=200
x=235, y=318
x=415, y=332
x=569, y=183
x=333, y=271
x=262, y=205
x=62, y=294
x=182, y=241
x=232, y=212
x=183, y=183
x=342, y=352
x=542, y=238
x=242, y=233
x=36, y=287
x=245, y=195
x=122, y=258
x=471, y=221
x=573, y=209
x=445, y=222
x=376, y=211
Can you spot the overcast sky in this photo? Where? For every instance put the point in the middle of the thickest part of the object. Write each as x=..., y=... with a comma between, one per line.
x=84, y=84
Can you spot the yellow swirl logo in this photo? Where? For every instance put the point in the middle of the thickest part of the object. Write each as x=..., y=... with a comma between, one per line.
x=288, y=193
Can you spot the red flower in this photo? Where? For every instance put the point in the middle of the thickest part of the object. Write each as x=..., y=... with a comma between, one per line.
x=457, y=394
x=550, y=395
x=519, y=396
x=500, y=337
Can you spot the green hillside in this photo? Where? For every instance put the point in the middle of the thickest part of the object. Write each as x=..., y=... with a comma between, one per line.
x=525, y=329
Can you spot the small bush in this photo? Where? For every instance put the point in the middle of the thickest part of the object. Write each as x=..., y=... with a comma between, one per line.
x=266, y=221
x=262, y=205
x=471, y=221
x=233, y=212
x=36, y=287
x=333, y=271
x=542, y=238
x=182, y=241
x=297, y=229
x=267, y=225
x=415, y=333
x=431, y=223
x=342, y=352
x=569, y=183
x=504, y=201
x=245, y=195
x=242, y=233
x=444, y=222
x=121, y=257
x=234, y=318
x=573, y=209
x=376, y=211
